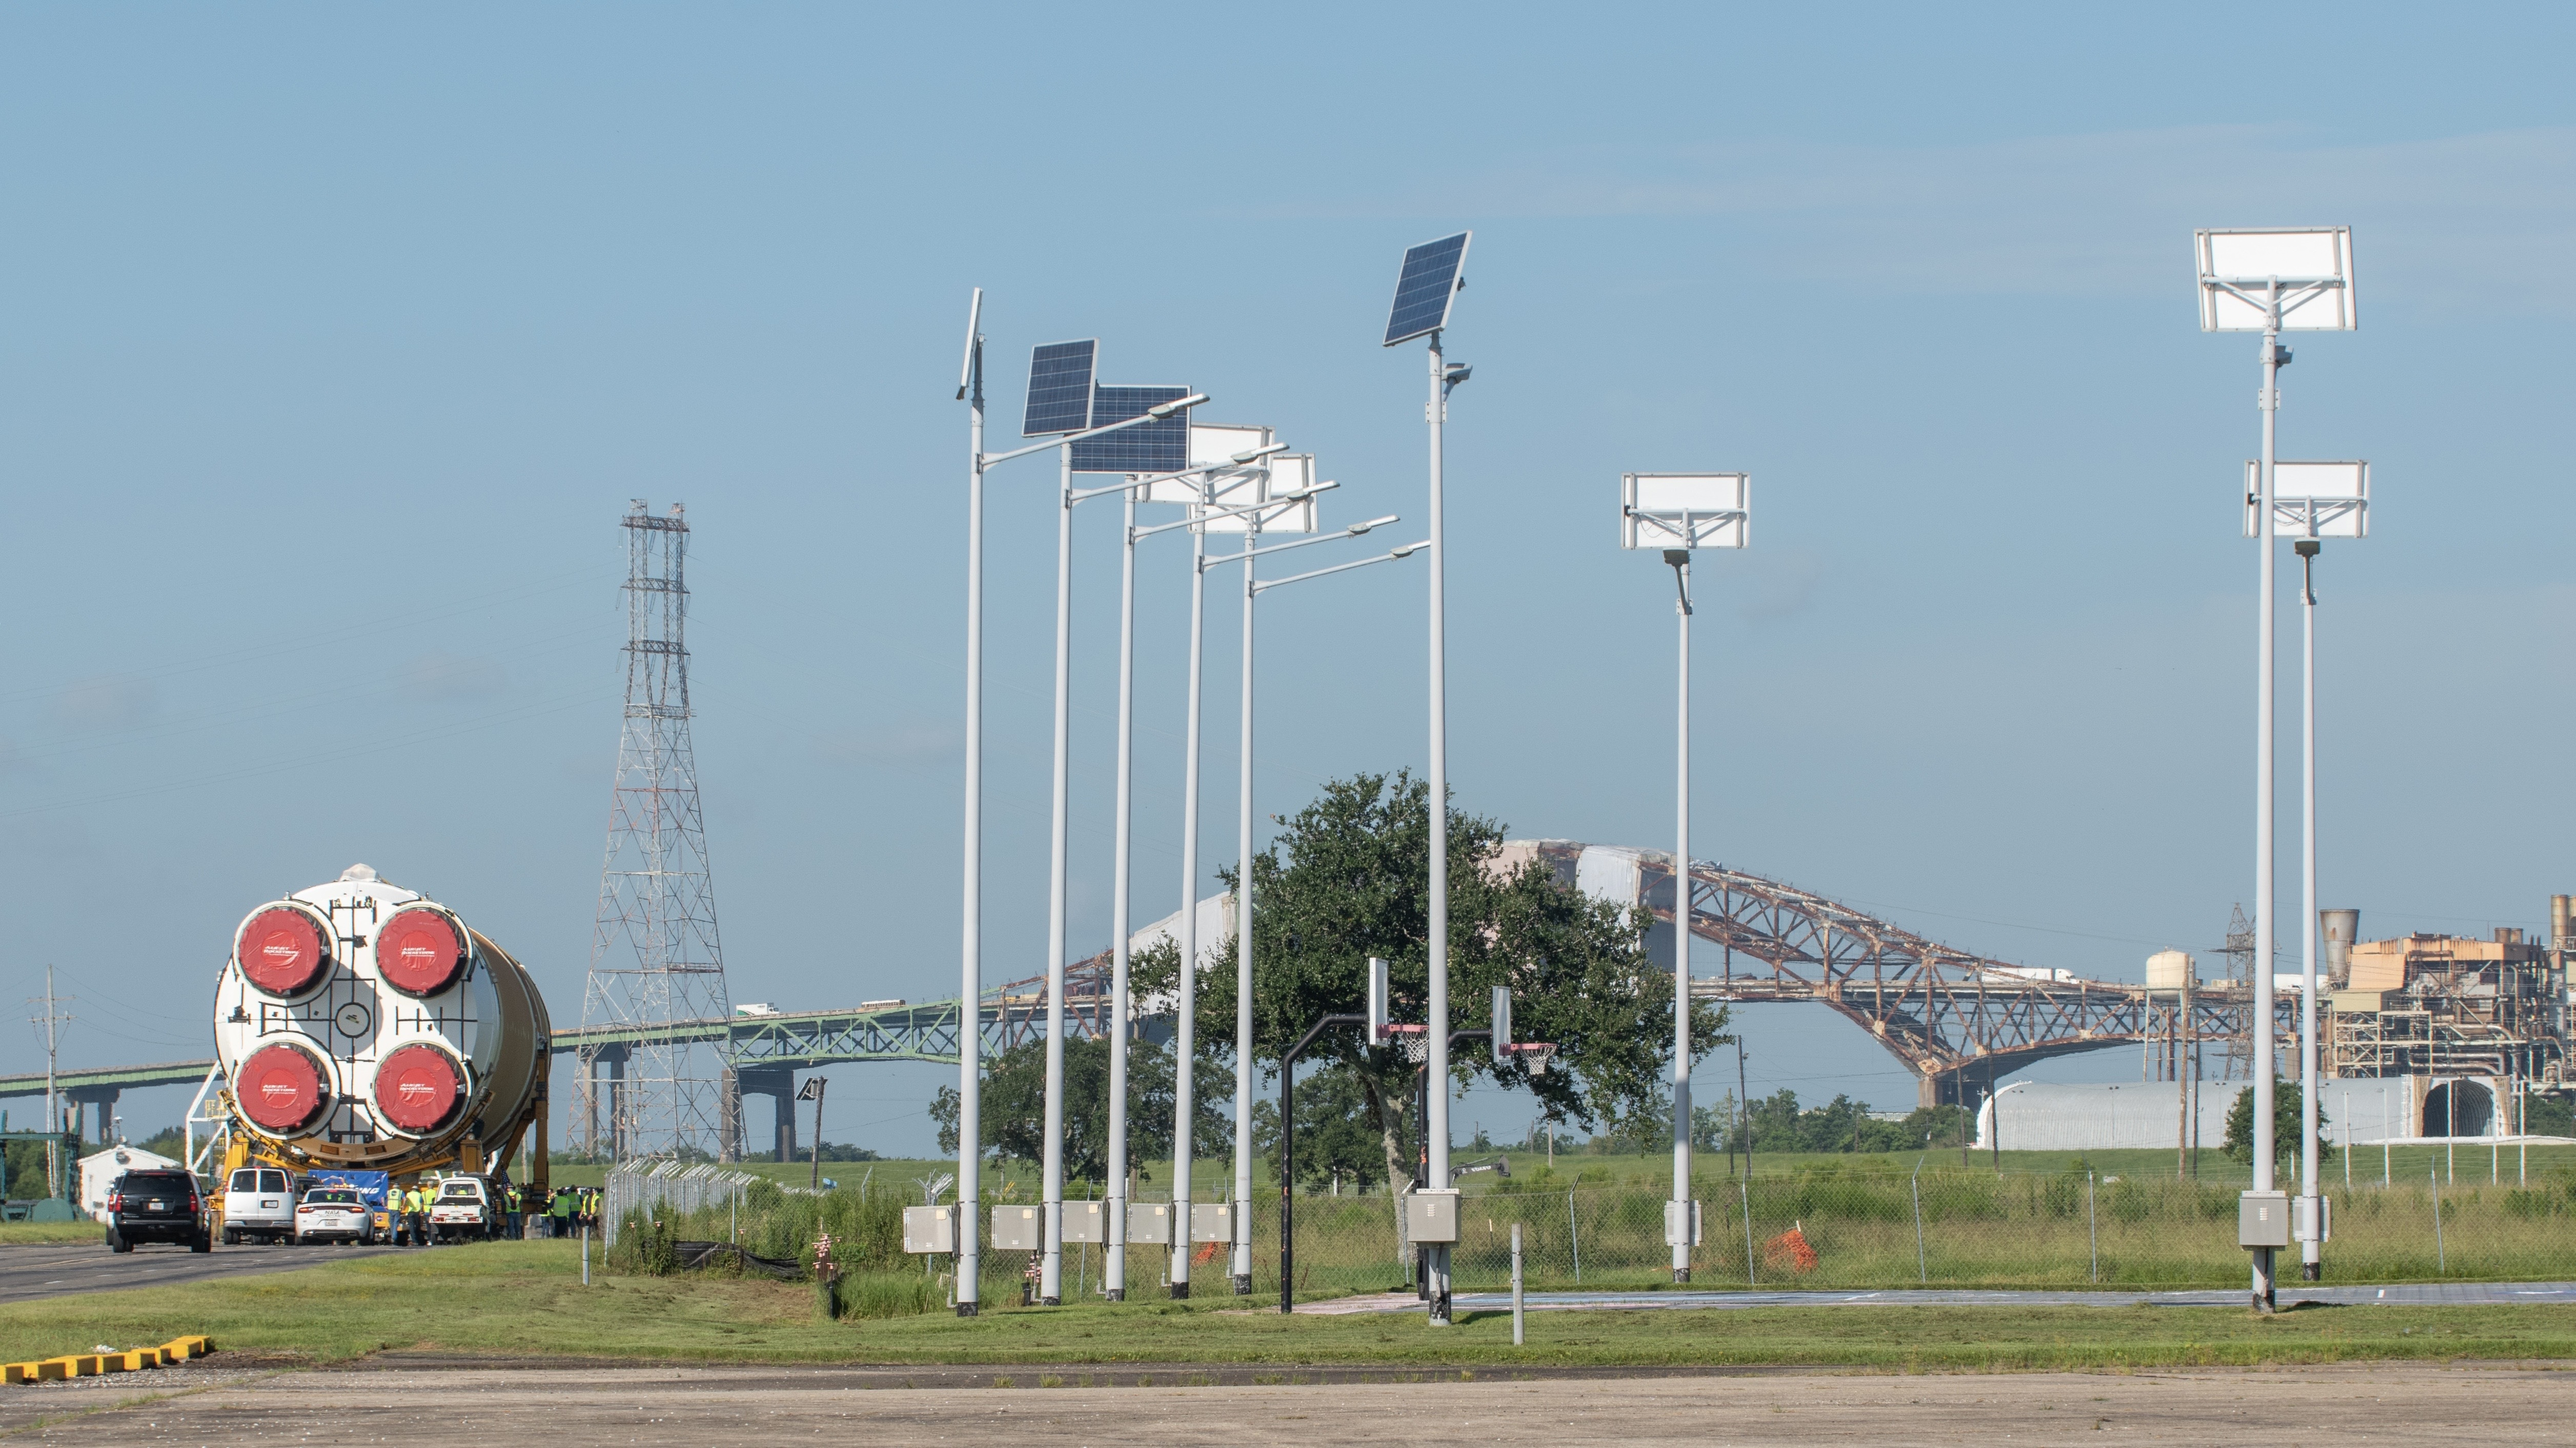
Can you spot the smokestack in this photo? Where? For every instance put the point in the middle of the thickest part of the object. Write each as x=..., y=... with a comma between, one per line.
x=2340, y=928
x=2559, y=909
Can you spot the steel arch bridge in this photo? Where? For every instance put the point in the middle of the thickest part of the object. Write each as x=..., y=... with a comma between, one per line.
x=1957, y=1020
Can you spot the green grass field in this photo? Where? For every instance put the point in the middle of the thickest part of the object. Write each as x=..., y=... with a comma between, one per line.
x=527, y=1299
x=83, y=1230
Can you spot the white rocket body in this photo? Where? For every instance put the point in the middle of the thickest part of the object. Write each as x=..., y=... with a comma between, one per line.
x=362, y=1025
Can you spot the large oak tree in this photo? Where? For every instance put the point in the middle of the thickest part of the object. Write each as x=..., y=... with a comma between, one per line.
x=1349, y=878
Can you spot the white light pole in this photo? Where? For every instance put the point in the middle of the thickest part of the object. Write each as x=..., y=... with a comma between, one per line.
x=1060, y=393
x=1686, y=511
x=1191, y=487
x=1051, y=1176
x=2268, y=281
x=1424, y=289
x=2311, y=502
x=1295, y=517
x=970, y=989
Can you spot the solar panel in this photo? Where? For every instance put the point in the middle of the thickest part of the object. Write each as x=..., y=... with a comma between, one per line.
x=1060, y=388
x=1423, y=290
x=1149, y=447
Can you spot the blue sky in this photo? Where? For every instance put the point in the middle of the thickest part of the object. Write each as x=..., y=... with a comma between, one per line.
x=334, y=343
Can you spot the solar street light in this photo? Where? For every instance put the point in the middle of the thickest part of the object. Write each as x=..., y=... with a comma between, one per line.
x=1676, y=513
x=1425, y=288
x=1069, y=410
x=2269, y=281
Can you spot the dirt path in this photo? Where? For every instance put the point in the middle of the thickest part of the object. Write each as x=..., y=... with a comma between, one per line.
x=578, y=1407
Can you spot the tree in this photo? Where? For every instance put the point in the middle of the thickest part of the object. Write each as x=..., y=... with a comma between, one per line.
x=2285, y=1126
x=1013, y=1106
x=2548, y=1116
x=1349, y=878
x=1841, y=1124
x=1336, y=1141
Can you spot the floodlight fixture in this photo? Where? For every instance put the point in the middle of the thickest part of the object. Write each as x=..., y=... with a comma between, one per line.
x=1454, y=373
x=2296, y=279
x=1685, y=510
x=2310, y=500
x=1406, y=551
x=1162, y=410
x=1256, y=454
x=974, y=319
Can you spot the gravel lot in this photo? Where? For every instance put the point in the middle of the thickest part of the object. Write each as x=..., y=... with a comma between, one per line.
x=424, y=1403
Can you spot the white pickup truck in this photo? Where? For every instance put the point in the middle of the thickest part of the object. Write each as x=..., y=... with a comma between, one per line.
x=463, y=1210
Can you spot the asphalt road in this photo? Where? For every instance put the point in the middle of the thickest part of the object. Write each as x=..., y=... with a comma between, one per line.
x=57, y=1269
x=2491, y=1406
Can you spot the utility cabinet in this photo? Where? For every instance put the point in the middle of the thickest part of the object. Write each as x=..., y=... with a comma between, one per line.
x=1431, y=1217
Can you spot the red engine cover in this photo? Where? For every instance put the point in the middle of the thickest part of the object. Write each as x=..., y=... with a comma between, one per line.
x=281, y=952
x=417, y=1087
x=418, y=953
x=280, y=1088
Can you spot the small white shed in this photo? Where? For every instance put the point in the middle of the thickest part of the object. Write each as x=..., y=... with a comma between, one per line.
x=100, y=1170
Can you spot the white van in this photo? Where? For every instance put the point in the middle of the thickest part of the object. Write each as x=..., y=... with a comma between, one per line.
x=259, y=1203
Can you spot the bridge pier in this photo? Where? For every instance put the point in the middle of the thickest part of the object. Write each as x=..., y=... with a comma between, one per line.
x=1965, y=1085
x=778, y=1083
x=101, y=1126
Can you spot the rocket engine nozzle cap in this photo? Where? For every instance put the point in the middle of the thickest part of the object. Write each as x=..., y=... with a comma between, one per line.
x=417, y=1088
x=281, y=1089
x=282, y=951
x=418, y=952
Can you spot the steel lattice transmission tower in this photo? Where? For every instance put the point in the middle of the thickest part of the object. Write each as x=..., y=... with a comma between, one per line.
x=655, y=958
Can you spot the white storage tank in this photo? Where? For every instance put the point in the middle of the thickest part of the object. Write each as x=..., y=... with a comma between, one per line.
x=2170, y=970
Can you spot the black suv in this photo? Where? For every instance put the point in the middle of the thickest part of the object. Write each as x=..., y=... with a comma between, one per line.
x=157, y=1206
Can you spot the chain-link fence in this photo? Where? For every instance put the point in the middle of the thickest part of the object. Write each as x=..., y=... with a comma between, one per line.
x=1985, y=1229
x=667, y=1187
x=1866, y=1229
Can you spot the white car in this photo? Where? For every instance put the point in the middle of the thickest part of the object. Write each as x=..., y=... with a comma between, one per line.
x=333, y=1214
x=259, y=1203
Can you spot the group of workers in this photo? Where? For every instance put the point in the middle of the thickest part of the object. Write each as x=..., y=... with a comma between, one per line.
x=564, y=1214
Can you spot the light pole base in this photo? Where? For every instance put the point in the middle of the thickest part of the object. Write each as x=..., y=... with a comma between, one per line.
x=1050, y=1302
x=2312, y=1272
x=1180, y=1291
x=1243, y=1284
x=966, y=1309
x=1681, y=1276
x=1117, y=1294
